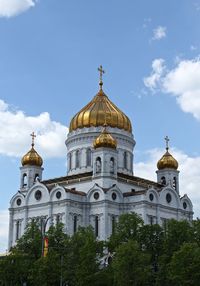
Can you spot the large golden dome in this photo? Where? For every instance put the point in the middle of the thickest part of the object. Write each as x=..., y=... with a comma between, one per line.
x=105, y=139
x=98, y=111
x=167, y=161
x=32, y=158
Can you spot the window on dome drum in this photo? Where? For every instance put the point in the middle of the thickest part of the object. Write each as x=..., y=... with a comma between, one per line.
x=75, y=224
x=78, y=157
x=163, y=181
x=96, y=226
x=69, y=161
x=125, y=160
x=17, y=229
x=98, y=165
x=174, y=183
x=88, y=157
x=24, y=183
x=112, y=164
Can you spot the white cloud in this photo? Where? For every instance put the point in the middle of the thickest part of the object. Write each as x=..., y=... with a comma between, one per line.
x=158, y=68
x=189, y=173
x=159, y=33
x=4, y=218
x=9, y=8
x=182, y=81
x=16, y=127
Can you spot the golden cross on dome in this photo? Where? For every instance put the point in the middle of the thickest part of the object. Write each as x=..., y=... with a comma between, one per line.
x=33, y=138
x=101, y=72
x=167, y=142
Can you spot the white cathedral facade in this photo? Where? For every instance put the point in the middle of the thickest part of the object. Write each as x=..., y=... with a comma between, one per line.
x=100, y=184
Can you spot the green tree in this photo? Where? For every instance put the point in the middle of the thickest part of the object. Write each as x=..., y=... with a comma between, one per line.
x=84, y=257
x=127, y=228
x=184, y=268
x=131, y=266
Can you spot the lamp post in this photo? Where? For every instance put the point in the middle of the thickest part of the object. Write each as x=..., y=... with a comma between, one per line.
x=43, y=230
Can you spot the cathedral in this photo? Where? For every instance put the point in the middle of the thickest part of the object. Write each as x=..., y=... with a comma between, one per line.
x=100, y=184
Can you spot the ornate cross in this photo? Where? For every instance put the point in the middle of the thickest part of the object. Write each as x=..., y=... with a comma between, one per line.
x=33, y=138
x=167, y=142
x=101, y=72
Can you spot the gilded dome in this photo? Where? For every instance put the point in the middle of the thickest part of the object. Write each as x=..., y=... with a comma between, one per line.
x=167, y=161
x=105, y=139
x=98, y=111
x=32, y=158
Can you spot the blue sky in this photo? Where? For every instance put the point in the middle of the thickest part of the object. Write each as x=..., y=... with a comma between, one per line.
x=49, y=54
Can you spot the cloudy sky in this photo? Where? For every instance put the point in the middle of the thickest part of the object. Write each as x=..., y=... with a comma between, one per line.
x=49, y=54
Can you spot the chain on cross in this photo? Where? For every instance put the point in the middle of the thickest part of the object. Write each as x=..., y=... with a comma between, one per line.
x=33, y=138
x=101, y=72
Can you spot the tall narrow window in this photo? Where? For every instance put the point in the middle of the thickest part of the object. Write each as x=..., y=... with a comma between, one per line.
x=125, y=160
x=98, y=165
x=58, y=219
x=113, y=224
x=78, y=159
x=174, y=183
x=69, y=161
x=151, y=220
x=36, y=177
x=24, y=180
x=112, y=165
x=96, y=226
x=88, y=157
x=75, y=224
x=17, y=229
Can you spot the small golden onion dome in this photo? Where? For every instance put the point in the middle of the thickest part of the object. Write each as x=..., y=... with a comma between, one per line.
x=32, y=158
x=99, y=110
x=105, y=139
x=167, y=161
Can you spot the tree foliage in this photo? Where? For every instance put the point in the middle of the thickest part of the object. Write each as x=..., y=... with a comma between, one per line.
x=141, y=255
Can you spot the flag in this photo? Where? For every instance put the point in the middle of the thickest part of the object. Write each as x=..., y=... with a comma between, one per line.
x=46, y=244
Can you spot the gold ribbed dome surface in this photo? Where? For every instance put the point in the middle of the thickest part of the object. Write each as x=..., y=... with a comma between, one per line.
x=98, y=111
x=32, y=158
x=105, y=139
x=167, y=161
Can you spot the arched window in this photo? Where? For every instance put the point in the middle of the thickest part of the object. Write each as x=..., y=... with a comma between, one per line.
x=17, y=229
x=174, y=183
x=36, y=177
x=69, y=161
x=125, y=160
x=88, y=157
x=96, y=226
x=112, y=162
x=98, y=165
x=24, y=183
x=75, y=224
x=78, y=157
x=163, y=181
